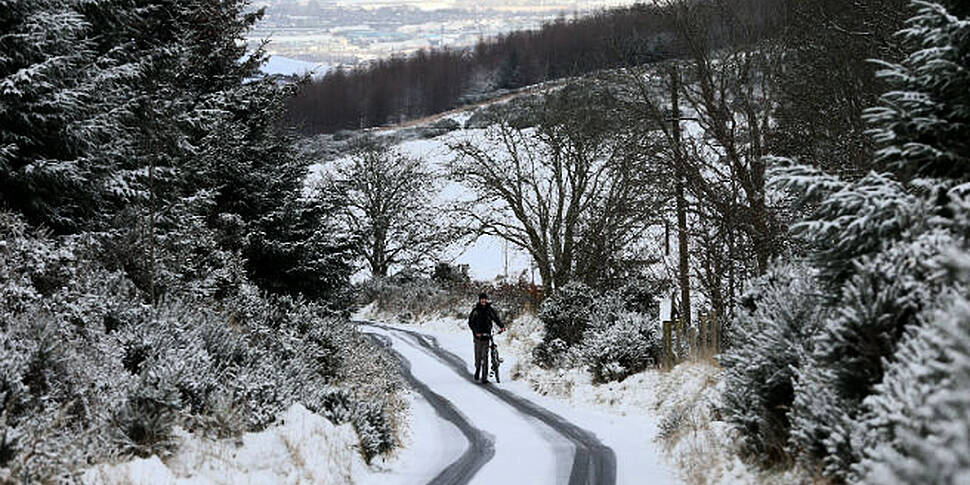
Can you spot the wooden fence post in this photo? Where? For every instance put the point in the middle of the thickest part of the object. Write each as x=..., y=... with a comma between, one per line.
x=667, y=344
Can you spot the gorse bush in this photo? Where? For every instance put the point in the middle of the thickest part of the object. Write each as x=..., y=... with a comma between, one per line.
x=567, y=312
x=407, y=295
x=618, y=342
x=772, y=338
x=448, y=292
x=90, y=371
x=598, y=331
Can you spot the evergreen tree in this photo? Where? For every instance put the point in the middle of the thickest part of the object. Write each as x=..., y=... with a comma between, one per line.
x=296, y=251
x=915, y=428
x=57, y=108
x=923, y=123
x=879, y=242
x=772, y=338
x=884, y=298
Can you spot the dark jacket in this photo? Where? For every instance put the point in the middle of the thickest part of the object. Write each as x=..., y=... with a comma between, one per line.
x=481, y=318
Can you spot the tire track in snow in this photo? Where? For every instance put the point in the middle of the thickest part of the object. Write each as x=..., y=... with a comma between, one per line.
x=593, y=464
x=481, y=447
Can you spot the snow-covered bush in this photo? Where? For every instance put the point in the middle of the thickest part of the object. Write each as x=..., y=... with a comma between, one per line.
x=597, y=331
x=882, y=300
x=915, y=425
x=618, y=342
x=408, y=296
x=772, y=338
x=565, y=315
x=551, y=354
x=90, y=371
x=374, y=430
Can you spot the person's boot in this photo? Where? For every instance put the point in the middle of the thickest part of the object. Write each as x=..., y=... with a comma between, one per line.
x=477, y=371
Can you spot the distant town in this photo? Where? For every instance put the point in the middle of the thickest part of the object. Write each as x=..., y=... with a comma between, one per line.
x=349, y=33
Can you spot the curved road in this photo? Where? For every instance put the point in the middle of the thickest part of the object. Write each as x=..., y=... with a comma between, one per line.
x=482, y=444
x=558, y=449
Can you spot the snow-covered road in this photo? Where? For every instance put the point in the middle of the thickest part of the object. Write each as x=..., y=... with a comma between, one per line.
x=502, y=434
x=481, y=447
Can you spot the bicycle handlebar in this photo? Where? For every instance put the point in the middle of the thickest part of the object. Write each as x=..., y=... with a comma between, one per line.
x=488, y=334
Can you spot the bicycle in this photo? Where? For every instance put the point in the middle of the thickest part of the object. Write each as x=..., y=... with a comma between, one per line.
x=496, y=360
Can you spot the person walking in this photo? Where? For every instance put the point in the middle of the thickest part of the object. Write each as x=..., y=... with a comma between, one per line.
x=480, y=322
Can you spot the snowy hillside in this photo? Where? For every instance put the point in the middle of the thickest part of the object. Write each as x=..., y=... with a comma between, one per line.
x=429, y=140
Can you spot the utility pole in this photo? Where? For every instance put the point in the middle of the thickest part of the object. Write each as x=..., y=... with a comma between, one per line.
x=506, y=252
x=681, y=176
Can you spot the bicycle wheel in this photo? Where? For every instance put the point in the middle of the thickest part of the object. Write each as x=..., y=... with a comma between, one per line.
x=495, y=362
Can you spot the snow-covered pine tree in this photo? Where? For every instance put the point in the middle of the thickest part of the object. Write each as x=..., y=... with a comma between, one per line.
x=884, y=297
x=55, y=112
x=879, y=240
x=923, y=121
x=295, y=250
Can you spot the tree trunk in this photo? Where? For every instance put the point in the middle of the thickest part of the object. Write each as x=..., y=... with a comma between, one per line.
x=684, y=266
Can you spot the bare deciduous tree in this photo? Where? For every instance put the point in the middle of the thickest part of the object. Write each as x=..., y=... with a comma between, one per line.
x=722, y=91
x=570, y=191
x=388, y=207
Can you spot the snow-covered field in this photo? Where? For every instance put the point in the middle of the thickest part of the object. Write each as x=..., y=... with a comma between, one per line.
x=293, y=67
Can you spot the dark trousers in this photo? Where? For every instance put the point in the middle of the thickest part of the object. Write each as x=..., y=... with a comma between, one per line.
x=481, y=357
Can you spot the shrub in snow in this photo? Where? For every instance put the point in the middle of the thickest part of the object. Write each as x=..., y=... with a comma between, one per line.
x=567, y=312
x=369, y=419
x=407, y=296
x=551, y=354
x=618, y=342
x=90, y=372
x=772, y=338
x=409, y=293
x=673, y=423
x=145, y=422
x=915, y=427
x=447, y=124
x=877, y=305
x=598, y=331
x=374, y=430
x=335, y=404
